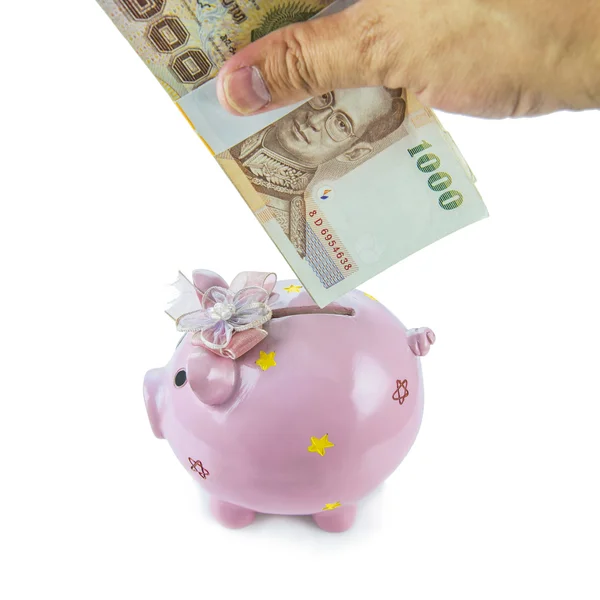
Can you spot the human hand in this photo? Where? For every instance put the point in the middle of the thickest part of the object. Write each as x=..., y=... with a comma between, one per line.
x=489, y=58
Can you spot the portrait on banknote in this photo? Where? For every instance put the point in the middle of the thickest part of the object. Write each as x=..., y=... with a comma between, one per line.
x=281, y=160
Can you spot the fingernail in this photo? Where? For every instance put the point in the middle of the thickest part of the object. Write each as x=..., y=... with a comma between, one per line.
x=246, y=90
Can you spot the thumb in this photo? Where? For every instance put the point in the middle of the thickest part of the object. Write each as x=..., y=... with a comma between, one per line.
x=303, y=60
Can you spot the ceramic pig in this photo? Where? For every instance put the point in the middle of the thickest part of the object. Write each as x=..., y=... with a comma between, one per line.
x=277, y=406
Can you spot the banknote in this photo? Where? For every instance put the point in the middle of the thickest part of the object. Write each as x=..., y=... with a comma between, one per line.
x=185, y=42
x=346, y=184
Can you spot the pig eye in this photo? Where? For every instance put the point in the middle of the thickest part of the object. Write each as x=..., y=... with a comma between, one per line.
x=180, y=378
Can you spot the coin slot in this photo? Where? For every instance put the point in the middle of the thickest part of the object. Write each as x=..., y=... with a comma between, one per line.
x=332, y=309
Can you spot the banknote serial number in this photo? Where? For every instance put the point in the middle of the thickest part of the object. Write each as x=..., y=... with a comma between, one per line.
x=327, y=238
x=230, y=45
x=439, y=181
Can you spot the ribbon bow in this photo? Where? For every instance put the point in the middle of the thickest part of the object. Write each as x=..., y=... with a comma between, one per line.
x=229, y=321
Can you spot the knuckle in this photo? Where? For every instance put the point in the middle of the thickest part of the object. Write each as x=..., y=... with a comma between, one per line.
x=292, y=67
x=370, y=33
x=378, y=47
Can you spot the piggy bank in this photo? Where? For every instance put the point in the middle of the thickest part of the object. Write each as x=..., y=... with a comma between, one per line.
x=274, y=405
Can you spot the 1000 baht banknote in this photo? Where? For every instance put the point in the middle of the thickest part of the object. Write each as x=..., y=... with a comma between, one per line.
x=185, y=42
x=346, y=184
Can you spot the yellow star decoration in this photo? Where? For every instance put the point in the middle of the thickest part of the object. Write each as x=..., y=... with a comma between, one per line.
x=266, y=361
x=371, y=297
x=332, y=506
x=320, y=445
x=293, y=288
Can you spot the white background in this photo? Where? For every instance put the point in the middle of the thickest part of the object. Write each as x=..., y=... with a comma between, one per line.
x=106, y=192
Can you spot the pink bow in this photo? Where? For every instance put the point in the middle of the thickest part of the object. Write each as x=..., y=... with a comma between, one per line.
x=230, y=320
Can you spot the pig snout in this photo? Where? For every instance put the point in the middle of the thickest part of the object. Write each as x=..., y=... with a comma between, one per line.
x=152, y=390
x=213, y=379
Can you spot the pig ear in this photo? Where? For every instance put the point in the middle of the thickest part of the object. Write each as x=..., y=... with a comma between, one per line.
x=213, y=379
x=206, y=279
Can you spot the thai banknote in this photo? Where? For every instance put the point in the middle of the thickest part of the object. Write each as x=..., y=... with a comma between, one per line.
x=347, y=184
x=185, y=42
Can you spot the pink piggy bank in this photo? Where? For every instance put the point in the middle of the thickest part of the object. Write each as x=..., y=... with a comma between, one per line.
x=276, y=406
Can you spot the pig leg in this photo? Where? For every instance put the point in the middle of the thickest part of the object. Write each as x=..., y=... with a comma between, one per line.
x=338, y=520
x=231, y=515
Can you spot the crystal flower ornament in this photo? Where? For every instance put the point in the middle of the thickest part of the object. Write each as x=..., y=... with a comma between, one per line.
x=224, y=312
